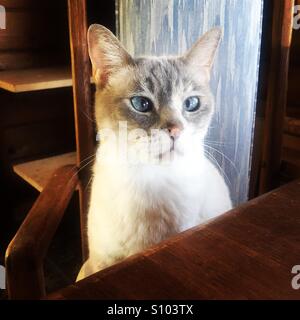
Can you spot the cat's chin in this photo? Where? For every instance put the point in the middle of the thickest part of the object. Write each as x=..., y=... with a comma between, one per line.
x=170, y=154
x=164, y=158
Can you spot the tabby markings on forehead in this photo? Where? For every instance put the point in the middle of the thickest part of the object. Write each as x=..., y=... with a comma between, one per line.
x=163, y=78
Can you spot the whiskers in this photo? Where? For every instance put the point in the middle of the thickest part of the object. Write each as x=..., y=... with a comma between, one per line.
x=209, y=154
x=83, y=164
x=218, y=143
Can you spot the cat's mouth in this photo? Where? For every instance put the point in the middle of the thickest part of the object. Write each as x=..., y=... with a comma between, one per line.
x=171, y=152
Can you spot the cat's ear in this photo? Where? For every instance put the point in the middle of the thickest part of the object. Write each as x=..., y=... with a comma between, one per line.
x=203, y=52
x=106, y=53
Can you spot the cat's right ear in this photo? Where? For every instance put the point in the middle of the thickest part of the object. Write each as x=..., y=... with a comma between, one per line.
x=203, y=52
x=106, y=53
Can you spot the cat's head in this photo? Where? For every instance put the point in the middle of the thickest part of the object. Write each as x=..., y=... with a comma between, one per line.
x=166, y=98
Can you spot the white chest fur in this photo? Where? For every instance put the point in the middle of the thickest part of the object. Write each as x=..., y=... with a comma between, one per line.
x=133, y=207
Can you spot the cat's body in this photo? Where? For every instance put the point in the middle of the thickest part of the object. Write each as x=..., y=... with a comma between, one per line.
x=136, y=208
x=135, y=204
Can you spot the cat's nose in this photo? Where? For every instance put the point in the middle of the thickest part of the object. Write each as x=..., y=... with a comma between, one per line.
x=174, y=131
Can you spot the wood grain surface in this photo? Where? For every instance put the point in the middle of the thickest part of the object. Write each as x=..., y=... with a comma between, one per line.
x=35, y=79
x=39, y=172
x=247, y=253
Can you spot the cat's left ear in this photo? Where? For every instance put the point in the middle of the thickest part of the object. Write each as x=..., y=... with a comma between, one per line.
x=203, y=52
x=106, y=53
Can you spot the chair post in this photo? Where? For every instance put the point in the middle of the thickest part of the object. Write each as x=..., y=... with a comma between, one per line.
x=81, y=74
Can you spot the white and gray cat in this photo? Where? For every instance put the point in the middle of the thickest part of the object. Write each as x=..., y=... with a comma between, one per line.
x=135, y=204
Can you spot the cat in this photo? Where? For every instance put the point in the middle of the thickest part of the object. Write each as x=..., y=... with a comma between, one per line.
x=136, y=204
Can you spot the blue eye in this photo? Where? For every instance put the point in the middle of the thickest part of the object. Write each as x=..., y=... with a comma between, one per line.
x=141, y=104
x=191, y=104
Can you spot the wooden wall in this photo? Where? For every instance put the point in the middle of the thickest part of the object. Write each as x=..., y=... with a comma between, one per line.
x=293, y=103
x=290, y=165
x=36, y=34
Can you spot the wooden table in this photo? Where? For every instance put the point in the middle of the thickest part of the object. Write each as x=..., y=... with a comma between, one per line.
x=247, y=253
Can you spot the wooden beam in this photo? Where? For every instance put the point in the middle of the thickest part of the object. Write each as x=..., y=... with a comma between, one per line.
x=277, y=94
x=81, y=71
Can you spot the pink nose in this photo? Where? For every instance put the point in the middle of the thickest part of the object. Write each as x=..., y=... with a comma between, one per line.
x=174, y=131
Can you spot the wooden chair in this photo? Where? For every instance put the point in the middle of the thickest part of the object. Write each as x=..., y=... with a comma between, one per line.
x=25, y=253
